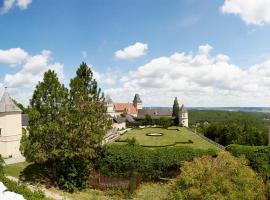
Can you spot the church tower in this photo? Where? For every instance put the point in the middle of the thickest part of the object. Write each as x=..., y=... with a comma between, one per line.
x=10, y=127
x=137, y=102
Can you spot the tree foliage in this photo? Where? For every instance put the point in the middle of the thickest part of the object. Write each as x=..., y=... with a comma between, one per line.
x=259, y=157
x=176, y=112
x=224, y=177
x=66, y=127
x=47, y=121
x=227, y=127
x=88, y=122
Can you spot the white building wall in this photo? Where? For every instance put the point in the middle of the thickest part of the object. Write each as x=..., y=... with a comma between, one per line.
x=184, y=119
x=11, y=133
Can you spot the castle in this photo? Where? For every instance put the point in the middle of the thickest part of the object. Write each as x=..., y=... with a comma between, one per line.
x=12, y=121
x=136, y=110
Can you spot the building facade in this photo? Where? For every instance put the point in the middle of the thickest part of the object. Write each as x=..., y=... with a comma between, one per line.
x=10, y=127
x=136, y=110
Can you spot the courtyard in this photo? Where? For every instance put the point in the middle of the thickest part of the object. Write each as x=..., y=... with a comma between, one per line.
x=161, y=137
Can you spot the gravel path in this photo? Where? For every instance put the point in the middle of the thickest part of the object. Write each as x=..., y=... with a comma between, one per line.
x=48, y=193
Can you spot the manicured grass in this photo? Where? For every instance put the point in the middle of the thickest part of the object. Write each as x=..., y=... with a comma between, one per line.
x=170, y=137
x=15, y=169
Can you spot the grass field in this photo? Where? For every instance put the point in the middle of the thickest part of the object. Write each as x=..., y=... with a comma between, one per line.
x=15, y=169
x=170, y=137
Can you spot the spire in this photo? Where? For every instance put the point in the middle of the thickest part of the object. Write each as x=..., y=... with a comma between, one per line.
x=7, y=104
x=137, y=99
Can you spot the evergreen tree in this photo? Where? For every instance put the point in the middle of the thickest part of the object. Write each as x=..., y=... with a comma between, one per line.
x=175, y=112
x=47, y=121
x=88, y=120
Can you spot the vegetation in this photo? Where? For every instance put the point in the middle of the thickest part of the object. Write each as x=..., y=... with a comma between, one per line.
x=123, y=160
x=224, y=177
x=56, y=139
x=175, y=112
x=175, y=136
x=1, y=165
x=15, y=169
x=259, y=157
x=226, y=127
x=22, y=189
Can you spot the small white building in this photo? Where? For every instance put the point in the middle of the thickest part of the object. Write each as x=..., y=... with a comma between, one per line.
x=10, y=127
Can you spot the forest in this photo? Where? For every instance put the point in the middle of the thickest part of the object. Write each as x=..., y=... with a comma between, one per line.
x=231, y=127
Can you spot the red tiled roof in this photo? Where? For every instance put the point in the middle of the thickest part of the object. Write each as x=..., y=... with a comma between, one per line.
x=125, y=107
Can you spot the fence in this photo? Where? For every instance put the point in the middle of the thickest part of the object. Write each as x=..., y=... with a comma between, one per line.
x=97, y=180
x=209, y=140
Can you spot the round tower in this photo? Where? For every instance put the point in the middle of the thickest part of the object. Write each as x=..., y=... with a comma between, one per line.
x=10, y=127
x=109, y=105
x=183, y=116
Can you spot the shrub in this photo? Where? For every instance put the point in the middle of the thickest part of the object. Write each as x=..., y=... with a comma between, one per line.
x=224, y=177
x=259, y=157
x=22, y=189
x=122, y=160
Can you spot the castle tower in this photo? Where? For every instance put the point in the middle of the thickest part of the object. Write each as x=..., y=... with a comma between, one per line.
x=137, y=102
x=183, y=116
x=109, y=105
x=10, y=127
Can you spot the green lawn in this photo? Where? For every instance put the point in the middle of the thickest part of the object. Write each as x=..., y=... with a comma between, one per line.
x=15, y=169
x=169, y=137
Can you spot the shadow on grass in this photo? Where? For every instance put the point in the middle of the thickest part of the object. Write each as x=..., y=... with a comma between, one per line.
x=36, y=173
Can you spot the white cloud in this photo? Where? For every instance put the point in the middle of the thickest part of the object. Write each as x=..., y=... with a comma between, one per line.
x=133, y=51
x=13, y=56
x=31, y=70
x=9, y=4
x=109, y=78
x=198, y=79
x=255, y=12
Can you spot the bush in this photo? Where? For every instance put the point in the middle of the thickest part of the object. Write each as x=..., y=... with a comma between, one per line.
x=73, y=175
x=224, y=177
x=259, y=157
x=122, y=160
x=22, y=189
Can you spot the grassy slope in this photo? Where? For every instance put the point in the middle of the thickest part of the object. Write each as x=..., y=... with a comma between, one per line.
x=169, y=137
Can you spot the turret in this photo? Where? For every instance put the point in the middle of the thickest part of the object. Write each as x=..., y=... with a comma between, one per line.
x=183, y=116
x=109, y=105
x=137, y=102
x=10, y=126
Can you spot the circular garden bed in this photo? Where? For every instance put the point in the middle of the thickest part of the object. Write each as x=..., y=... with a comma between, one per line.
x=155, y=134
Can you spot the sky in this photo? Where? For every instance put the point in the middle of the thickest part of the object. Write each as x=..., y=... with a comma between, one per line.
x=206, y=53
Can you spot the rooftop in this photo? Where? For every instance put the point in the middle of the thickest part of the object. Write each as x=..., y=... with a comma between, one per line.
x=7, y=104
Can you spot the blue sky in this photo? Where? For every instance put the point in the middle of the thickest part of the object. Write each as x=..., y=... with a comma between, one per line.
x=99, y=28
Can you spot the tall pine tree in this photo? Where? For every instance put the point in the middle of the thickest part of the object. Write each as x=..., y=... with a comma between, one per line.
x=88, y=120
x=47, y=121
x=175, y=112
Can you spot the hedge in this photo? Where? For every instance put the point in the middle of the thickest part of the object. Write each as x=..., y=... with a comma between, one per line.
x=22, y=189
x=122, y=160
x=259, y=157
